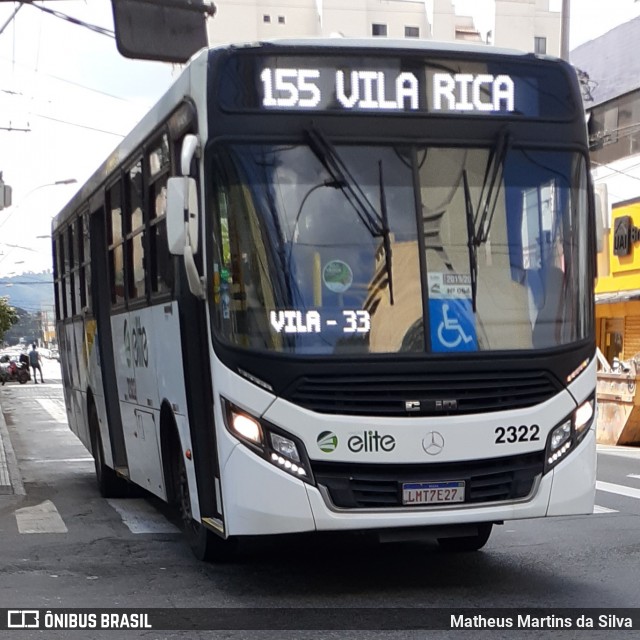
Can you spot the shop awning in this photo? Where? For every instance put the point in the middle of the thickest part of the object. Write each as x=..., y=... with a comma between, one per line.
x=618, y=296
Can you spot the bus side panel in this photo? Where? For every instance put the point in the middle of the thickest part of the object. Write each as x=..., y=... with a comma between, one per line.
x=94, y=385
x=68, y=370
x=171, y=385
x=65, y=357
x=135, y=352
x=79, y=390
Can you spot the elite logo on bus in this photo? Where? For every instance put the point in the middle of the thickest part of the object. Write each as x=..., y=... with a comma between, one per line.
x=136, y=347
x=371, y=442
x=327, y=441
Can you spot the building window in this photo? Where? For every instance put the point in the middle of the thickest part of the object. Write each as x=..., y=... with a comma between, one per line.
x=539, y=45
x=266, y=18
x=280, y=19
x=412, y=32
x=379, y=30
x=611, y=124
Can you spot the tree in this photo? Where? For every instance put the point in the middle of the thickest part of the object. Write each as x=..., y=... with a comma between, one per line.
x=8, y=317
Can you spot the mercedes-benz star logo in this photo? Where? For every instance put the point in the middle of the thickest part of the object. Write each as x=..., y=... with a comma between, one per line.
x=433, y=443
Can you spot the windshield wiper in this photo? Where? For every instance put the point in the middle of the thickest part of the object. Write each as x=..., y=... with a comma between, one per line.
x=471, y=239
x=479, y=222
x=488, y=202
x=386, y=232
x=377, y=224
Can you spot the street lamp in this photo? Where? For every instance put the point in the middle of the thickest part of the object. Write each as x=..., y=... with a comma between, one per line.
x=50, y=184
x=12, y=210
x=56, y=183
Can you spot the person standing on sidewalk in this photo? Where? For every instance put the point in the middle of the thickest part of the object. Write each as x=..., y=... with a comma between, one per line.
x=35, y=361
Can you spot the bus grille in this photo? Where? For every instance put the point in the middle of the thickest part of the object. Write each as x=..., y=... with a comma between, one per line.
x=372, y=395
x=373, y=486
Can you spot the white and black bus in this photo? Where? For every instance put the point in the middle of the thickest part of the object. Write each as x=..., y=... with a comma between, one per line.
x=340, y=285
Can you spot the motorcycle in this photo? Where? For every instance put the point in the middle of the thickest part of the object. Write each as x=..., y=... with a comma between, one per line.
x=15, y=372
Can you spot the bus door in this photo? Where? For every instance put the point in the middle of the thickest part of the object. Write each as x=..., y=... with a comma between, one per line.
x=105, y=364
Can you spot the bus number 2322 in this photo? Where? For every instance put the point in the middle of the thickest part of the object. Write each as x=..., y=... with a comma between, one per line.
x=523, y=433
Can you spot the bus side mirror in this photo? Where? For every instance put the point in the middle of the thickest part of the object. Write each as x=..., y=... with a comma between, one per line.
x=182, y=215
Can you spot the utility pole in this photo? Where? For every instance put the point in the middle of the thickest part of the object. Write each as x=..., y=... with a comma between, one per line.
x=5, y=194
x=564, y=29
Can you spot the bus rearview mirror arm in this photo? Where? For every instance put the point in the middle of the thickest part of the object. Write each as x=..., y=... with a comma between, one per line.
x=183, y=215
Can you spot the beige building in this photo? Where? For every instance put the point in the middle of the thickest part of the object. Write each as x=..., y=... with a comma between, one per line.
x=529, y=25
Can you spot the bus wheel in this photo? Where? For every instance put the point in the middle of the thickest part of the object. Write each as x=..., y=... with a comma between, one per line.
x=205, y=544
x=468, y=543
x=109, y=484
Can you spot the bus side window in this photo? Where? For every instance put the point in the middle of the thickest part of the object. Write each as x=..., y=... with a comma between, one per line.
x=136, y=236
x=56, y=276
x=69, y=274
x=160, y=263
x=86, y=267
x=78, y=252
x=116, y=247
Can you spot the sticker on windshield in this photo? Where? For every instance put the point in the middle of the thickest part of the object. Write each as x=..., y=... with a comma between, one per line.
x=449, y=285
x=337, y=276
x=452, y=321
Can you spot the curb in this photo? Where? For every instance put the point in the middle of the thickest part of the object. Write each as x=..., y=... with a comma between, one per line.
x=12, y=463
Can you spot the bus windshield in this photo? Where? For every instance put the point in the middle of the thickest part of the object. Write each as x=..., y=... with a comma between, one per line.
x=409, y=249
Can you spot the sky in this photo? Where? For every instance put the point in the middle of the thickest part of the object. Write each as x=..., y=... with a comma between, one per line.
x=76, y=97
x=589, y=18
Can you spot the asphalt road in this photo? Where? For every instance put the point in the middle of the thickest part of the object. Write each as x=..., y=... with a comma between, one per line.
x=62, y=545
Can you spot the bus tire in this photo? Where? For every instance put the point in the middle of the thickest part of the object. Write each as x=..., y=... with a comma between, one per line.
x=109, y=484
x=467, y=543
x=204, y=544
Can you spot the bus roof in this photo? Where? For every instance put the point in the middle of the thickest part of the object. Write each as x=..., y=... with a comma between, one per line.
x=409, y=44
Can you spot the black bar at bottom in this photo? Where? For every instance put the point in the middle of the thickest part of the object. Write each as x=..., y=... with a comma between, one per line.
x=344, y=619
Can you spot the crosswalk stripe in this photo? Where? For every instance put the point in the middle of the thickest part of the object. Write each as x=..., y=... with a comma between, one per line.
x=620, y=489
x=634, y=475
x=598, y=509
x=141, y=517
x=138, y=515
x=623, y=452
x=41, y=518
x=55, y=408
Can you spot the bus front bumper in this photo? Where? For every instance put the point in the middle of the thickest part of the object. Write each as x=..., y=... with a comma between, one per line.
x=261, y=499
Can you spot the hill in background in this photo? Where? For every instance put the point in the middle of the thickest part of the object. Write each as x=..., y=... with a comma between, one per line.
x=29, y=291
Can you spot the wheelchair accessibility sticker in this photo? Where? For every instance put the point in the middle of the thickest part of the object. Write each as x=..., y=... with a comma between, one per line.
x=452, y=320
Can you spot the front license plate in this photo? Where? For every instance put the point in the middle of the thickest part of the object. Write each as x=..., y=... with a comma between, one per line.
x=432, y=492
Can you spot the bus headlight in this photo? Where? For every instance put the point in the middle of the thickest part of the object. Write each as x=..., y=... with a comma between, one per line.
x=246, y=427
x=281, y=449
x=285, y=447
x=582, y=417
x=568, y=434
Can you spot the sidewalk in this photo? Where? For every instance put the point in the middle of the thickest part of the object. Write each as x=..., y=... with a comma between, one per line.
x=10, y=479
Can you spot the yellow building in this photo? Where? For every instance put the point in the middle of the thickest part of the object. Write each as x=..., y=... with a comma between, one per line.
x=618, y=285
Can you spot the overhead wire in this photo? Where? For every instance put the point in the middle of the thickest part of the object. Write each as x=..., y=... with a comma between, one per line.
x=623, y=173
x=66, y=81
x=77, y=124
x=63, y=16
